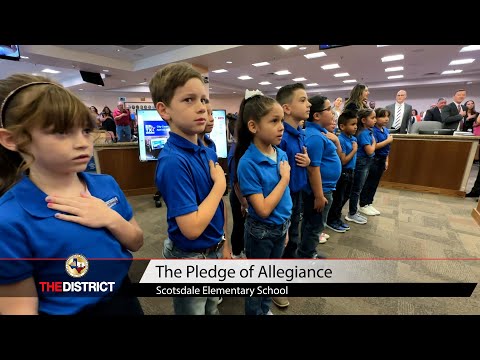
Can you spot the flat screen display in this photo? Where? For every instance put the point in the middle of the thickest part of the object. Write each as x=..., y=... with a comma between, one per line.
x=219, y=132
x=9, y=52
x=153, y=133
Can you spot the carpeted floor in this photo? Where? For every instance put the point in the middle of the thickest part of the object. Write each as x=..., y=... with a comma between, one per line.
x=412, y=225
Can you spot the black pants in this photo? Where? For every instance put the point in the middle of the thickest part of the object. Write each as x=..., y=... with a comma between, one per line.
x=377, y=168
x=340, y=196
x=238, y=224
x=293, y=230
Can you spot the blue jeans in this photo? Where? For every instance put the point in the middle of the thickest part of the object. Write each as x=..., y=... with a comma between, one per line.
x=361, y=172
x=377, y=167
x=263, y=241
x=124, y=133
x=312, y=225
x=191, y=305
x=293, y=230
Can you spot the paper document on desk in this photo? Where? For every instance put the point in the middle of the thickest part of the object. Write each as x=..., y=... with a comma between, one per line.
x=463, y=133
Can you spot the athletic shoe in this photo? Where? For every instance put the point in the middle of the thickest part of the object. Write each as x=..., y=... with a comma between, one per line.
x=356, y=218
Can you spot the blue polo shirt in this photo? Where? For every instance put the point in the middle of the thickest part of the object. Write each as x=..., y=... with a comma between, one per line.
x=210, y=143
x=232, y=171
x=183, y=178
x=293, y=141
x=381, y=135
x=347, y=146
x=364, y=138
x=29, y=229
x=258, y=174
x=323, y=153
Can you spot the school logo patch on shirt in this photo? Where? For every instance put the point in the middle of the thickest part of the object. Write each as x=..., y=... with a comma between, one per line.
x=112, y=202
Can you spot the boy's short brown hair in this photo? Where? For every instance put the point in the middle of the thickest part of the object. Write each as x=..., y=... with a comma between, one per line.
x=169, y=78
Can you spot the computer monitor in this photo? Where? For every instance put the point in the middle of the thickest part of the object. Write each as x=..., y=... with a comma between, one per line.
x=219, y=132
x=153, y=133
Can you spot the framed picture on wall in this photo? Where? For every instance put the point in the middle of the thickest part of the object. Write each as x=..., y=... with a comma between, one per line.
x=134, y=106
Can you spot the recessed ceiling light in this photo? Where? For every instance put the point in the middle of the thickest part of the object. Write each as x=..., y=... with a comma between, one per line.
x=395, y=77
x=299, y=79
x=228, y=62
x=278, y=87
x=50, y=71
x=286, y=47
x=264, y=63
x=330, y=66
x=395, y=68
x=234, y=92
x=392, y=58
x=118, y=50
x=24, y=57
x=105, y=70
x=312, y=84
x=461, y=61
x=244, y=77
x=80, y=89
x=265, y=83
x=341, y=74
x=302, y=48
x=100, y=85
x=315, y=55
x=143, y=83
x=382, y=45
x=349, y=81
x=282, y=72
x=470, y=48
x=123, y=80
x=209, y=88
x=469, y=82
x=219, y=71
x=447, y=72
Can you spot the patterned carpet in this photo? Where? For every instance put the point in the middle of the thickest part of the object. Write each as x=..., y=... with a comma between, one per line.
x=412, y=225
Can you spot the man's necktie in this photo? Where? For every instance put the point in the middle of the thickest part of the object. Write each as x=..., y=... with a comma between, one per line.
x=398, y=120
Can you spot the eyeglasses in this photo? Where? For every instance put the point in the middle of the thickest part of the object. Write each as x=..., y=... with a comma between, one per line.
x=326, y=109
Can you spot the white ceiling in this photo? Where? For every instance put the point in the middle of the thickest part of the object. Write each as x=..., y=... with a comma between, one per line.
x=137, y=63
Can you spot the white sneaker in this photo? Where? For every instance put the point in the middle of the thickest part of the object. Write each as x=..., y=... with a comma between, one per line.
x=374, y=210
x=322, y=239
x=366, y=210
x=326, y=236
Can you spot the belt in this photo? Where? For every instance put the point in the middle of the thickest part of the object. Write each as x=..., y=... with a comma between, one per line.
x=213, y=248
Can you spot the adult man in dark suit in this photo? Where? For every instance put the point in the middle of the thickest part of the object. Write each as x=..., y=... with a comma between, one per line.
x=400, y=113
x=453, y=113
x=435, y=114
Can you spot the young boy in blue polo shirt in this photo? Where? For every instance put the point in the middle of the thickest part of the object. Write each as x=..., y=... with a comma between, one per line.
x=347, y=123
x=365, y=153
x=189, y=177
x=294, y=101
x=204, y=136
x=379, y=165
x=323, y=173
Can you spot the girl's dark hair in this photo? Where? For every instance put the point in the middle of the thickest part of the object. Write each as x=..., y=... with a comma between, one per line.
x=382, y=112
x=45, y=106
x=473, y=109
x=253, y=108
x=363, y=113
x=318, y=104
